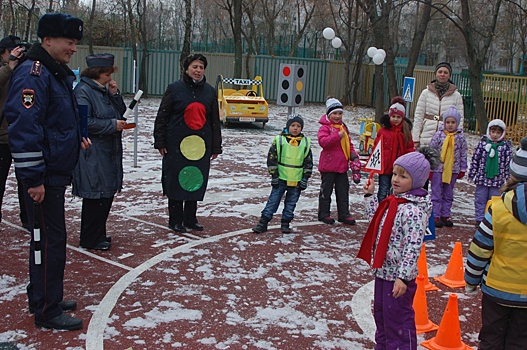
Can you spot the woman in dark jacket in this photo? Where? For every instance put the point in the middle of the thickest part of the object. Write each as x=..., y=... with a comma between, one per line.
x=99, y=173
x=187, y=134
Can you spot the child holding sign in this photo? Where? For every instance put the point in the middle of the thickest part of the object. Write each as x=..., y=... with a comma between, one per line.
x=337, y=156
x=396, y=139
x=397, y=228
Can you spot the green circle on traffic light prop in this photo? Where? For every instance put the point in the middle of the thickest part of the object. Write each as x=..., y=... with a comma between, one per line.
x=193, y=147
x=190, y=178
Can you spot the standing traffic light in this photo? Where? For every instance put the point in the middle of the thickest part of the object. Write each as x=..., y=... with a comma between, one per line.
x=291, y=85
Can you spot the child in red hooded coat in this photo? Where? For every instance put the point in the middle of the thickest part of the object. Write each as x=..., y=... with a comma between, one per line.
x=396, y=136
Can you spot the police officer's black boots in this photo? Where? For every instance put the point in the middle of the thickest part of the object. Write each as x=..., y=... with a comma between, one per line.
x=262, y=225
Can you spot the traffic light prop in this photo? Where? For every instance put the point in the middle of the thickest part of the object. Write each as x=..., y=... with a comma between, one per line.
x=291, y=85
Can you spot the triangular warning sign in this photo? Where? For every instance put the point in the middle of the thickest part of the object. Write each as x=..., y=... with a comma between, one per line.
x=408, y=94
x=374, y=164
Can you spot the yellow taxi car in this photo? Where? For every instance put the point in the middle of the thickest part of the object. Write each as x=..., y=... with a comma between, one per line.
x=242, y=105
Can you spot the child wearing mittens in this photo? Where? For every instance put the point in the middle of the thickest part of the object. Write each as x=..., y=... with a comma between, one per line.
x=489, y=168
x=450, y=141
x=336, y=158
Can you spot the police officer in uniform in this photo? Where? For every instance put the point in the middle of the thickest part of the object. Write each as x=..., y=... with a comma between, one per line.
x=45, y=141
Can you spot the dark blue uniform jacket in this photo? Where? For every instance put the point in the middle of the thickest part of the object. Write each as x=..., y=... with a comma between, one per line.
x=44, y=133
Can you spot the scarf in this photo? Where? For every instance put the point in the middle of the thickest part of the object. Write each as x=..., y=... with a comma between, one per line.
x=345, y=141
x=447, y=156
x=293, y=141
x=492, y=167
x=398, y=146
x=390, y=203
x=441, y=88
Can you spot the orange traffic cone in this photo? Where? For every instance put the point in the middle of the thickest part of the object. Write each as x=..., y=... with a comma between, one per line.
x=453, y=276
x=448, y=336
x=422, y=323
x=422, y=268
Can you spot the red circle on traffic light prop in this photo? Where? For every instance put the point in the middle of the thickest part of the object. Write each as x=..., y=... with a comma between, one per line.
x=286, y=71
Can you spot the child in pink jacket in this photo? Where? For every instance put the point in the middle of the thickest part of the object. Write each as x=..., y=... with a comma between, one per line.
x=337, y=157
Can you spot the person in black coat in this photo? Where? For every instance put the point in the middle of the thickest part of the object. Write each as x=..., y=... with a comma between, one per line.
x=187, y=134
x=99, y=174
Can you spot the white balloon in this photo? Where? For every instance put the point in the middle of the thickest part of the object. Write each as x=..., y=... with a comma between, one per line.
x=328, y=33
x=336, y=42
x=382, y=52
x=372, y=51
x=378, y=59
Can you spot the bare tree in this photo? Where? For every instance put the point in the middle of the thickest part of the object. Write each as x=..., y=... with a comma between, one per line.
x=304, y=13
x=185, y=51
x=379, y=27
x=351, y=26
x=30, y=13
x=271, y=11
x=419, y=34
x=478, y=36
x=90, y=26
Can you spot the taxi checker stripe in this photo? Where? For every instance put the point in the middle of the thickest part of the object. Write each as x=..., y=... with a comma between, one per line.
x=241, y=81
x=28, y=164
x=27, y=155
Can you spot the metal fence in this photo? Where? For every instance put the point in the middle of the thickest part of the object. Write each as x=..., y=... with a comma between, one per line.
x=505, y=96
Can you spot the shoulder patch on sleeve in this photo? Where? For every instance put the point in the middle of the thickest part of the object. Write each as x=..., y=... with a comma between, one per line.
x=28, y=98
x=36, y=68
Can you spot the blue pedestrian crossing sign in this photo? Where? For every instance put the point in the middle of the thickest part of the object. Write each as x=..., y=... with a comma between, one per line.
x=408, y=89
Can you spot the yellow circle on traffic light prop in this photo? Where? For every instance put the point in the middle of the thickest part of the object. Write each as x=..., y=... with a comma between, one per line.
x=299, y=86
x=193, y=147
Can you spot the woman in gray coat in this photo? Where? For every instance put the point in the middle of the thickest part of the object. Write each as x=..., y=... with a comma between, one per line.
x=99, y=173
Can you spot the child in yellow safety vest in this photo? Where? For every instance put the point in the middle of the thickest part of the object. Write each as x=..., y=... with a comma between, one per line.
x=497, y=260
x=290, y=163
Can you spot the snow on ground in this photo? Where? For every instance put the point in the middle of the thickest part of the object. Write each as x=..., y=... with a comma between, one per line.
x=238, y=190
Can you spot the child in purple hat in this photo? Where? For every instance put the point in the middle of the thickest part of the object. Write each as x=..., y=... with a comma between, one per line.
x=397, y=228
x=450, y=141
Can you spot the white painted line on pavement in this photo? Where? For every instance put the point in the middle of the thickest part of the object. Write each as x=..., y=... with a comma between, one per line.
x=361, y=305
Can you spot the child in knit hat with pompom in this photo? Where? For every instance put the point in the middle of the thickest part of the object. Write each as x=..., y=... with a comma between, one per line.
x=394, y=238
x=489, y=168
x=497, y=261
x=396, y=136
x=336, y=158
x=451, y=143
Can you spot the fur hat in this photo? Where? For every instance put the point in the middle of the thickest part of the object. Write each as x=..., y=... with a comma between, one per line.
x=499, y=123
x=60, y=25
x=418, y=164
x=192, y=58
x=444, y=64
x=294, y=118
x=100, y=60
x=333, y=105
x=452, y=112
x=397, y=107
x=10, y=42
x=519, y=162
